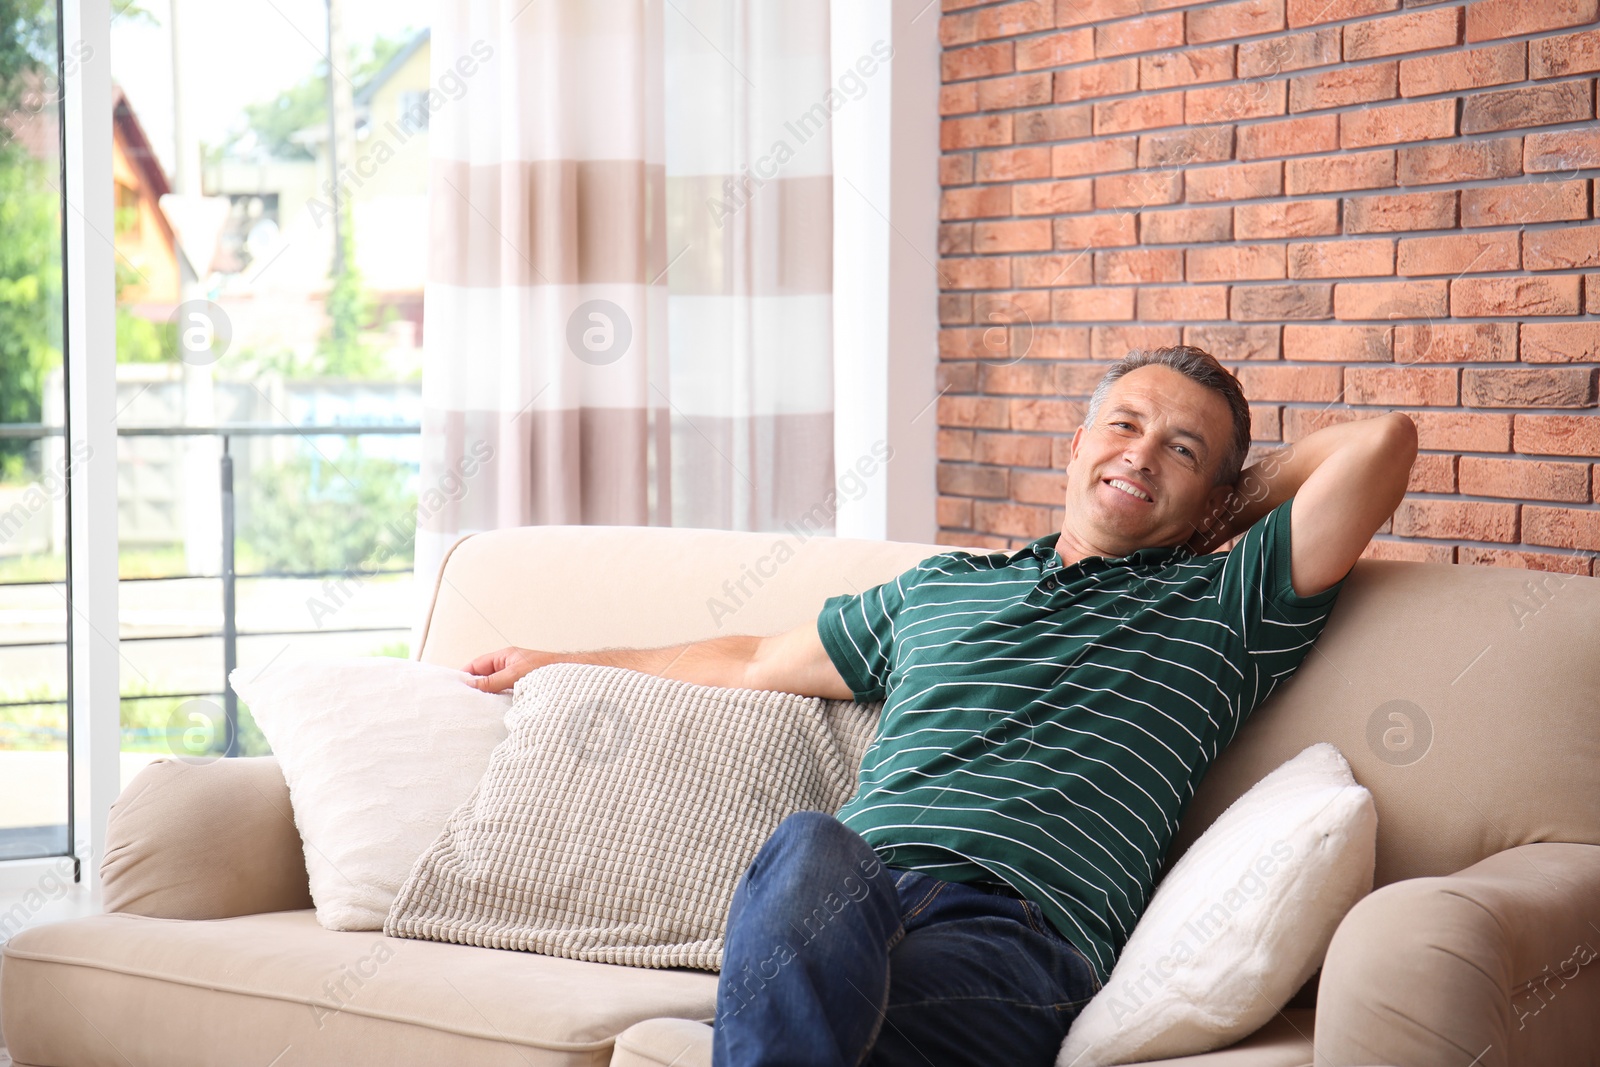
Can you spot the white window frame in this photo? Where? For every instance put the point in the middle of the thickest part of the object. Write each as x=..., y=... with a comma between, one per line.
x=885, y=278
x=90, y=355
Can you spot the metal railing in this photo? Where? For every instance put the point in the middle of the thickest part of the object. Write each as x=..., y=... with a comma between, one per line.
x=229, y=576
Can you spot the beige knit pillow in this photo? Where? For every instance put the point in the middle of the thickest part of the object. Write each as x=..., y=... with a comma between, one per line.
x=617, y=816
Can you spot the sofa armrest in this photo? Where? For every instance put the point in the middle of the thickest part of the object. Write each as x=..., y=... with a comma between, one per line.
x=204, y=840
x=1494, y=965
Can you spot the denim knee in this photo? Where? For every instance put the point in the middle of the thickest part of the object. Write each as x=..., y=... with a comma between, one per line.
x=815, y=838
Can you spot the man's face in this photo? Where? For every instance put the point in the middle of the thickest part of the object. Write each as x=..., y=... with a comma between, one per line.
x=1144, y=474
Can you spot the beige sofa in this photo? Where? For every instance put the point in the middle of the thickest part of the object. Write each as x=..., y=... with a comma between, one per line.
x=1475, y=949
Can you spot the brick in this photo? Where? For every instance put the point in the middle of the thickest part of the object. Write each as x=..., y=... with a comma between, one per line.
x=1235, y=262
x=1008, y=20
x=1149, y=34
x=1297, y=218
x=1472, y=520
x=1560, y=342
x=1397, y=123
x=1538, y=105
x=975, y=273
x=1138, y=265
x=980, y=131
x=1114, y=342
x=1280, y=55
x=1052, y=416
x=1091, y=305
x=958, y=29
x=955, y=512
x=1455, y=431
x=1010, y=164
x=962, y=344
x=978, y=62
x=1097, y=231
x=1399, y=212
x=1528, y=387
x=1186, y=225
x=955, y=170
x=1230, y=343
x=1194, y=66
x=1018, y=90
x=1435, y=386
x=1292, y=137
x=1096, y=80
x=955, y=308
x=1094, y=157
x=1039, y=272
x=1183, y=303
x=1558, y=435
x=974, y=411
x=1055, y=49
x=1459, y=161
x=1328, y=174
x=1408, y=552
x=1556, y=57
x=1457, y=254
x=1051, y=124
x=1492, y=19
x=1027, y=378
x=1038, y=487
x=1031, y=235
x=1139, y=189
x=1060, y=342
x=1083, y=12
x=1302, y=422
x=1239, y=181
x=1561, y=527
x=1338, y=344
x=1486, y=297
x=1432, y=473
x=1391, y=300
x=1241, y=100
x=1528, y=561
x=1455, y=342
x=955, y=444
x=1563, y=150
x=1311, y=12
x=1342, y=86
x=1256, y=303
x=1077, y=380
x=1014, y=520
x=1267, y=381
x=958, y=99
x=1243, y=18
x=1415, y=32
x=1562, y=249
x=1453, y=71
x=1143, y=112
x=1208, y=144
x=955, y=238
x=1534, y=201
x=1266, y=422
x=973, y=481
x=1052, y=198
x=1341, y=259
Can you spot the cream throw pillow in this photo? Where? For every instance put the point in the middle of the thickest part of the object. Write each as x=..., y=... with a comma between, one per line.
x=1240, y=922
x=615, y=821
x=377, y=753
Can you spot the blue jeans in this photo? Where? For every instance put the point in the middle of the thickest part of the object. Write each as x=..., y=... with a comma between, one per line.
x=832, y=957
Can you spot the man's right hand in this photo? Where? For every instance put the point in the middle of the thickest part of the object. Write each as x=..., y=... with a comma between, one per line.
x=495, y=672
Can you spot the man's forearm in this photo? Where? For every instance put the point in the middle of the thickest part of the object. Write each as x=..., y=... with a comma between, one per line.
x=1277, y=477
x=720, y=661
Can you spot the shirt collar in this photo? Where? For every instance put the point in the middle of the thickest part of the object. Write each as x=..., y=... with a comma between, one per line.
x=1044, y=550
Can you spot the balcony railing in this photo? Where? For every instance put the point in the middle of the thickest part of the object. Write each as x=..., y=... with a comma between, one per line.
x=229, y=576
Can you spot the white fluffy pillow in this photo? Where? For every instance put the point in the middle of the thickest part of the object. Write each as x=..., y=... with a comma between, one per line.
x=377, y=753
x=1240, y=922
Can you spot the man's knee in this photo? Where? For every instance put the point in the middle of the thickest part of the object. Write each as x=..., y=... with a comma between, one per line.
x=816, y=841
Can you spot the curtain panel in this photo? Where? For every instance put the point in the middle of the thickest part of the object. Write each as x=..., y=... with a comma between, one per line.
x=628, y=316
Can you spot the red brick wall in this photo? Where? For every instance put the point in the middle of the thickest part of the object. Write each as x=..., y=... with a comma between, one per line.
x=1358, y=206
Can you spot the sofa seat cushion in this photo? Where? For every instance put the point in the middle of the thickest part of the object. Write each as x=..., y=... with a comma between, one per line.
x=1283, y=1042
x=115, y=989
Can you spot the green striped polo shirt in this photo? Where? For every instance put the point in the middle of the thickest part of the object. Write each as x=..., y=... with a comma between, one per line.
x=1045, y=726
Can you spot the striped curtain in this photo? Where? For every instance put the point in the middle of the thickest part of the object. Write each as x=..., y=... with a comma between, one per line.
x=628, y=314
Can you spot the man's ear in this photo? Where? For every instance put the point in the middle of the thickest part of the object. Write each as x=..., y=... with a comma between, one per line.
x=1077, y=435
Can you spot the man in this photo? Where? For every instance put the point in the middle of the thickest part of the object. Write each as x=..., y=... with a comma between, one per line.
x=1047, y=716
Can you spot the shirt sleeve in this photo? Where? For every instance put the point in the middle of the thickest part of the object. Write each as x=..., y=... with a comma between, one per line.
x=1276, y=625
x=858, y=631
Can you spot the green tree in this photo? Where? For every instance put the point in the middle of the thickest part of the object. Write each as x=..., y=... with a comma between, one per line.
x=314, y=514
x=30, y=294
x=346, y=350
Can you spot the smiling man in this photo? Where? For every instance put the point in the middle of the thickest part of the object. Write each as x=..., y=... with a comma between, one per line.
x=1047, y=715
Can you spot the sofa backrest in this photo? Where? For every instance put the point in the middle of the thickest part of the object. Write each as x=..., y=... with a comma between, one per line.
x=1467, y=699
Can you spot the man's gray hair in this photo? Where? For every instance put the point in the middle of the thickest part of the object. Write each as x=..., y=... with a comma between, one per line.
x=1199, y=366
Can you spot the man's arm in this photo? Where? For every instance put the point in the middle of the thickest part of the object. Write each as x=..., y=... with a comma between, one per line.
x=790, y=662
x=1345, y=480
